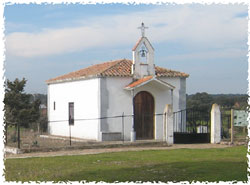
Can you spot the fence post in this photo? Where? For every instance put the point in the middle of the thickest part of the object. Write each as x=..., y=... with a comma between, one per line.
x=215, y=124
x=69, y=135
x=123, y=127
x=244, y=130
x=164, y=126
x=232, y=126
x=168, y=111
x=6, y=133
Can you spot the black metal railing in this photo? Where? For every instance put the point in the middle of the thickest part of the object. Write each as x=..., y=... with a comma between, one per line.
x=191, y=121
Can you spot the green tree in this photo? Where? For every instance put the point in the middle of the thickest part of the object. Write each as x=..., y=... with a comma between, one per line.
x=200, y=101
x=19, y=110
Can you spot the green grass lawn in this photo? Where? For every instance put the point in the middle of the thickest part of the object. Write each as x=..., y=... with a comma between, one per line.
x=226, y=164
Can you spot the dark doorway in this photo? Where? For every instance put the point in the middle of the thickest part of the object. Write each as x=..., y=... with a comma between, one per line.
x=144, y=115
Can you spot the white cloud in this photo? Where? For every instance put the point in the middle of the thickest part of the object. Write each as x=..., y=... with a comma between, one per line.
x=208, y=55
x=214, y=26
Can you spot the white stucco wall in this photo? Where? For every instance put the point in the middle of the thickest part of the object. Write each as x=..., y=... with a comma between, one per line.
x=179, y=99
x=86, y=98
x=115, y=100
x=179, y=93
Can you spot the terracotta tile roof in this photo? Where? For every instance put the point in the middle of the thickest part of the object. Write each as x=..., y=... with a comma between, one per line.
x=164, y=72
x=140, y=81
x=121, y=68
x=104, y=69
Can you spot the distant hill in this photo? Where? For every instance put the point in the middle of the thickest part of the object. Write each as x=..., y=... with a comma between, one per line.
x=204, y=100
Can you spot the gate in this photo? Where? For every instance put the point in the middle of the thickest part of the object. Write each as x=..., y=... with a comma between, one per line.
x=191, y=126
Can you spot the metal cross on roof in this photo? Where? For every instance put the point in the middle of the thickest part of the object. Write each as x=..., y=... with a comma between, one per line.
x=142, y=27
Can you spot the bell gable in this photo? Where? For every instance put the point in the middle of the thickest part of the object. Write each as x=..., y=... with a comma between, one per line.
x=143, y=57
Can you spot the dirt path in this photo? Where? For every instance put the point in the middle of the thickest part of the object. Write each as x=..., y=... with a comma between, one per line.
x=107, y=150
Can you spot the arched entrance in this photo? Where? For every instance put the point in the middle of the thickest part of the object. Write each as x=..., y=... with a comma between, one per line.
x=144, y=115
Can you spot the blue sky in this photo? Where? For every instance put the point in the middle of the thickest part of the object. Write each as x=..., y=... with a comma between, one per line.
x=207, y=41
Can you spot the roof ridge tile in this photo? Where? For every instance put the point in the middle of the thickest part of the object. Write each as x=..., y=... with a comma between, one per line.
x=121, y=68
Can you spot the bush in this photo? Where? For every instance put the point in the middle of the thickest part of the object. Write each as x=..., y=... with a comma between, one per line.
x=13, y=138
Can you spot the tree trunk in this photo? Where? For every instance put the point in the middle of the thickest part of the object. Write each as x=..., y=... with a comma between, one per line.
x=38, y=127
x=18, y=135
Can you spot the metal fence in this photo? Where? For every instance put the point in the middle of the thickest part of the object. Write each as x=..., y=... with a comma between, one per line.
x=191, y=126
x=239, y=133
x=32, y=139
x=192, y=121
x=186, y=121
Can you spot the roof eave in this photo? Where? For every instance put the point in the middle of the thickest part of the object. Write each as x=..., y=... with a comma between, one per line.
x=148, y=81
x=173, y=76
x=83, y=78
x=139, y=41
x=72, y=79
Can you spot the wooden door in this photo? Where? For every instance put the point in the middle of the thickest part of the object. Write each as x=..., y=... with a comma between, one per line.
x=144, y=115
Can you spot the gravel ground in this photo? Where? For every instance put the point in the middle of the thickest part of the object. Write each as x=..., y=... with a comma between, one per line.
x=107, y=150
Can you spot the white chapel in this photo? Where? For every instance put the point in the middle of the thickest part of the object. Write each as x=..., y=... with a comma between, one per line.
x=89, y=102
